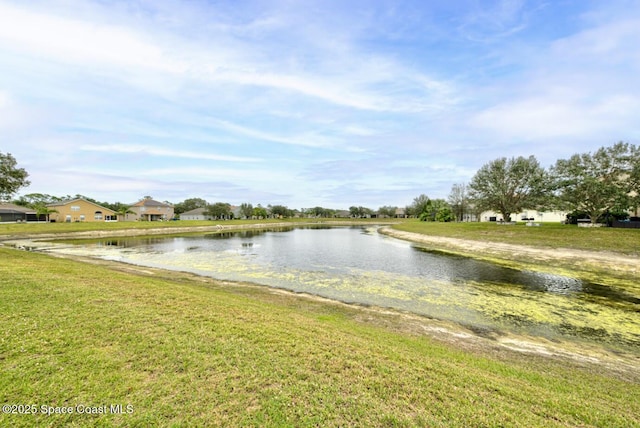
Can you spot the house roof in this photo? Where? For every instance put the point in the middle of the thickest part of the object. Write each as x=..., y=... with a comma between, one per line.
x=150, y=203
x=15, y=209
x=64, y=203
x=197, y=211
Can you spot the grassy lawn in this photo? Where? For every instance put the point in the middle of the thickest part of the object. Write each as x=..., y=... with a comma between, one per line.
x=550, y=235
x=183, y=352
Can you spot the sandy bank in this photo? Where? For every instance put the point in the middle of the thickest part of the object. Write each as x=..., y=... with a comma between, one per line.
x=561, y=257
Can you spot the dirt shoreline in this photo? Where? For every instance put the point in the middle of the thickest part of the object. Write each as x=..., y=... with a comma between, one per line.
x=560, y=257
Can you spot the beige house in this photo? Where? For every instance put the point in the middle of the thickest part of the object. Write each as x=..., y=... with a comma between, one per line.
x=400, y=213
x=149, y=210
x=80, y=210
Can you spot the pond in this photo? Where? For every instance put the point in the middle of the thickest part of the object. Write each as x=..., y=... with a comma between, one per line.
x=358, y=265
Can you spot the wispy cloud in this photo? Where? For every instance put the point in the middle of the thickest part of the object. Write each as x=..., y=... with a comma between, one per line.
x=91, y=45
x=85, y=43
x=163, y=152
x=310, y=103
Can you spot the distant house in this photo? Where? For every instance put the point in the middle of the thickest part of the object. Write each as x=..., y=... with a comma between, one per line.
x=11, y=213
x=527, y=215
x=400, y=213
x=151, y=210
x=80, y=210
x=196, y=214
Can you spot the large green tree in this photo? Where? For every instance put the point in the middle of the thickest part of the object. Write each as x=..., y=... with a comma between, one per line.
x=597, y=182
x=219, y=210
x=510, y=185
x=320, y=212
x=188, y=205
x=437, y=210
x=12, y=178
x=420, y=206
x=359, y=212
x=281, y=211
x=387, y=211
x=246, y=210
x=260, y=212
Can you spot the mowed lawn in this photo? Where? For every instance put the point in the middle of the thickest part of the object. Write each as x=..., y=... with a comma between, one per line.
x=183, y=352
x=548, y=235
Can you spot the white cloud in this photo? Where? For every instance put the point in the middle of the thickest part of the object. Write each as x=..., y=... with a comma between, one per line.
x=158, y=151
x=551, y=117
x=609, y=42
x=307, y=139
x=136, y=54
x=581, y=86
x=80, y=42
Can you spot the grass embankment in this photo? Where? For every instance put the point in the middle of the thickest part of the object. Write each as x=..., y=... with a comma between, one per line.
x=196, y=353
x=547, y=235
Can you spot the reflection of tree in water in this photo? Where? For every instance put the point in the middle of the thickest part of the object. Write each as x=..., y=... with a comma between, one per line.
x=130, y=242
x=249, y=233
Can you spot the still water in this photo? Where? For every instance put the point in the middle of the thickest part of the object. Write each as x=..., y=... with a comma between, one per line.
x=358, y=265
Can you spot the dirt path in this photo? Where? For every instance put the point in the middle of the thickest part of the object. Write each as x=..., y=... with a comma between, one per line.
x=562, y=257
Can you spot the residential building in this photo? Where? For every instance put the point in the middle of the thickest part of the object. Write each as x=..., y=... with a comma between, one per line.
x=11, y=213
x=196, y=214
x=537, y=216
x=150, y=210
x=80, y=210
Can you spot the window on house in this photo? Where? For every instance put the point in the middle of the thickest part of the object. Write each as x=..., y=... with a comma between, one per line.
x=75, y=208
x=97, y=215
x=81, y=217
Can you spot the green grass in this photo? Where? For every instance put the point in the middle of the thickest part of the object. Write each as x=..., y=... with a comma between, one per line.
x=550, y=235
x=194, y=352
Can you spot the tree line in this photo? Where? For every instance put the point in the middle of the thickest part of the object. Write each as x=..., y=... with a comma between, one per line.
x=603, y=183
x=223, y=210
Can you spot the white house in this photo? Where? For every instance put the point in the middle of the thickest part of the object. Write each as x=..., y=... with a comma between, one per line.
x=196, y=214
x=537, y=216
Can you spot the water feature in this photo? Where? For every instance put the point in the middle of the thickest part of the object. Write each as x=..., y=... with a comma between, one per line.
x=358, y=265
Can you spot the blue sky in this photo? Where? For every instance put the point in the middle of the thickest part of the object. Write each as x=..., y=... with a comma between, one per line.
x=307, y=103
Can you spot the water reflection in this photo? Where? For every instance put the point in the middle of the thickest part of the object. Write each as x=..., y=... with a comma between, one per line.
x=357, y=265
